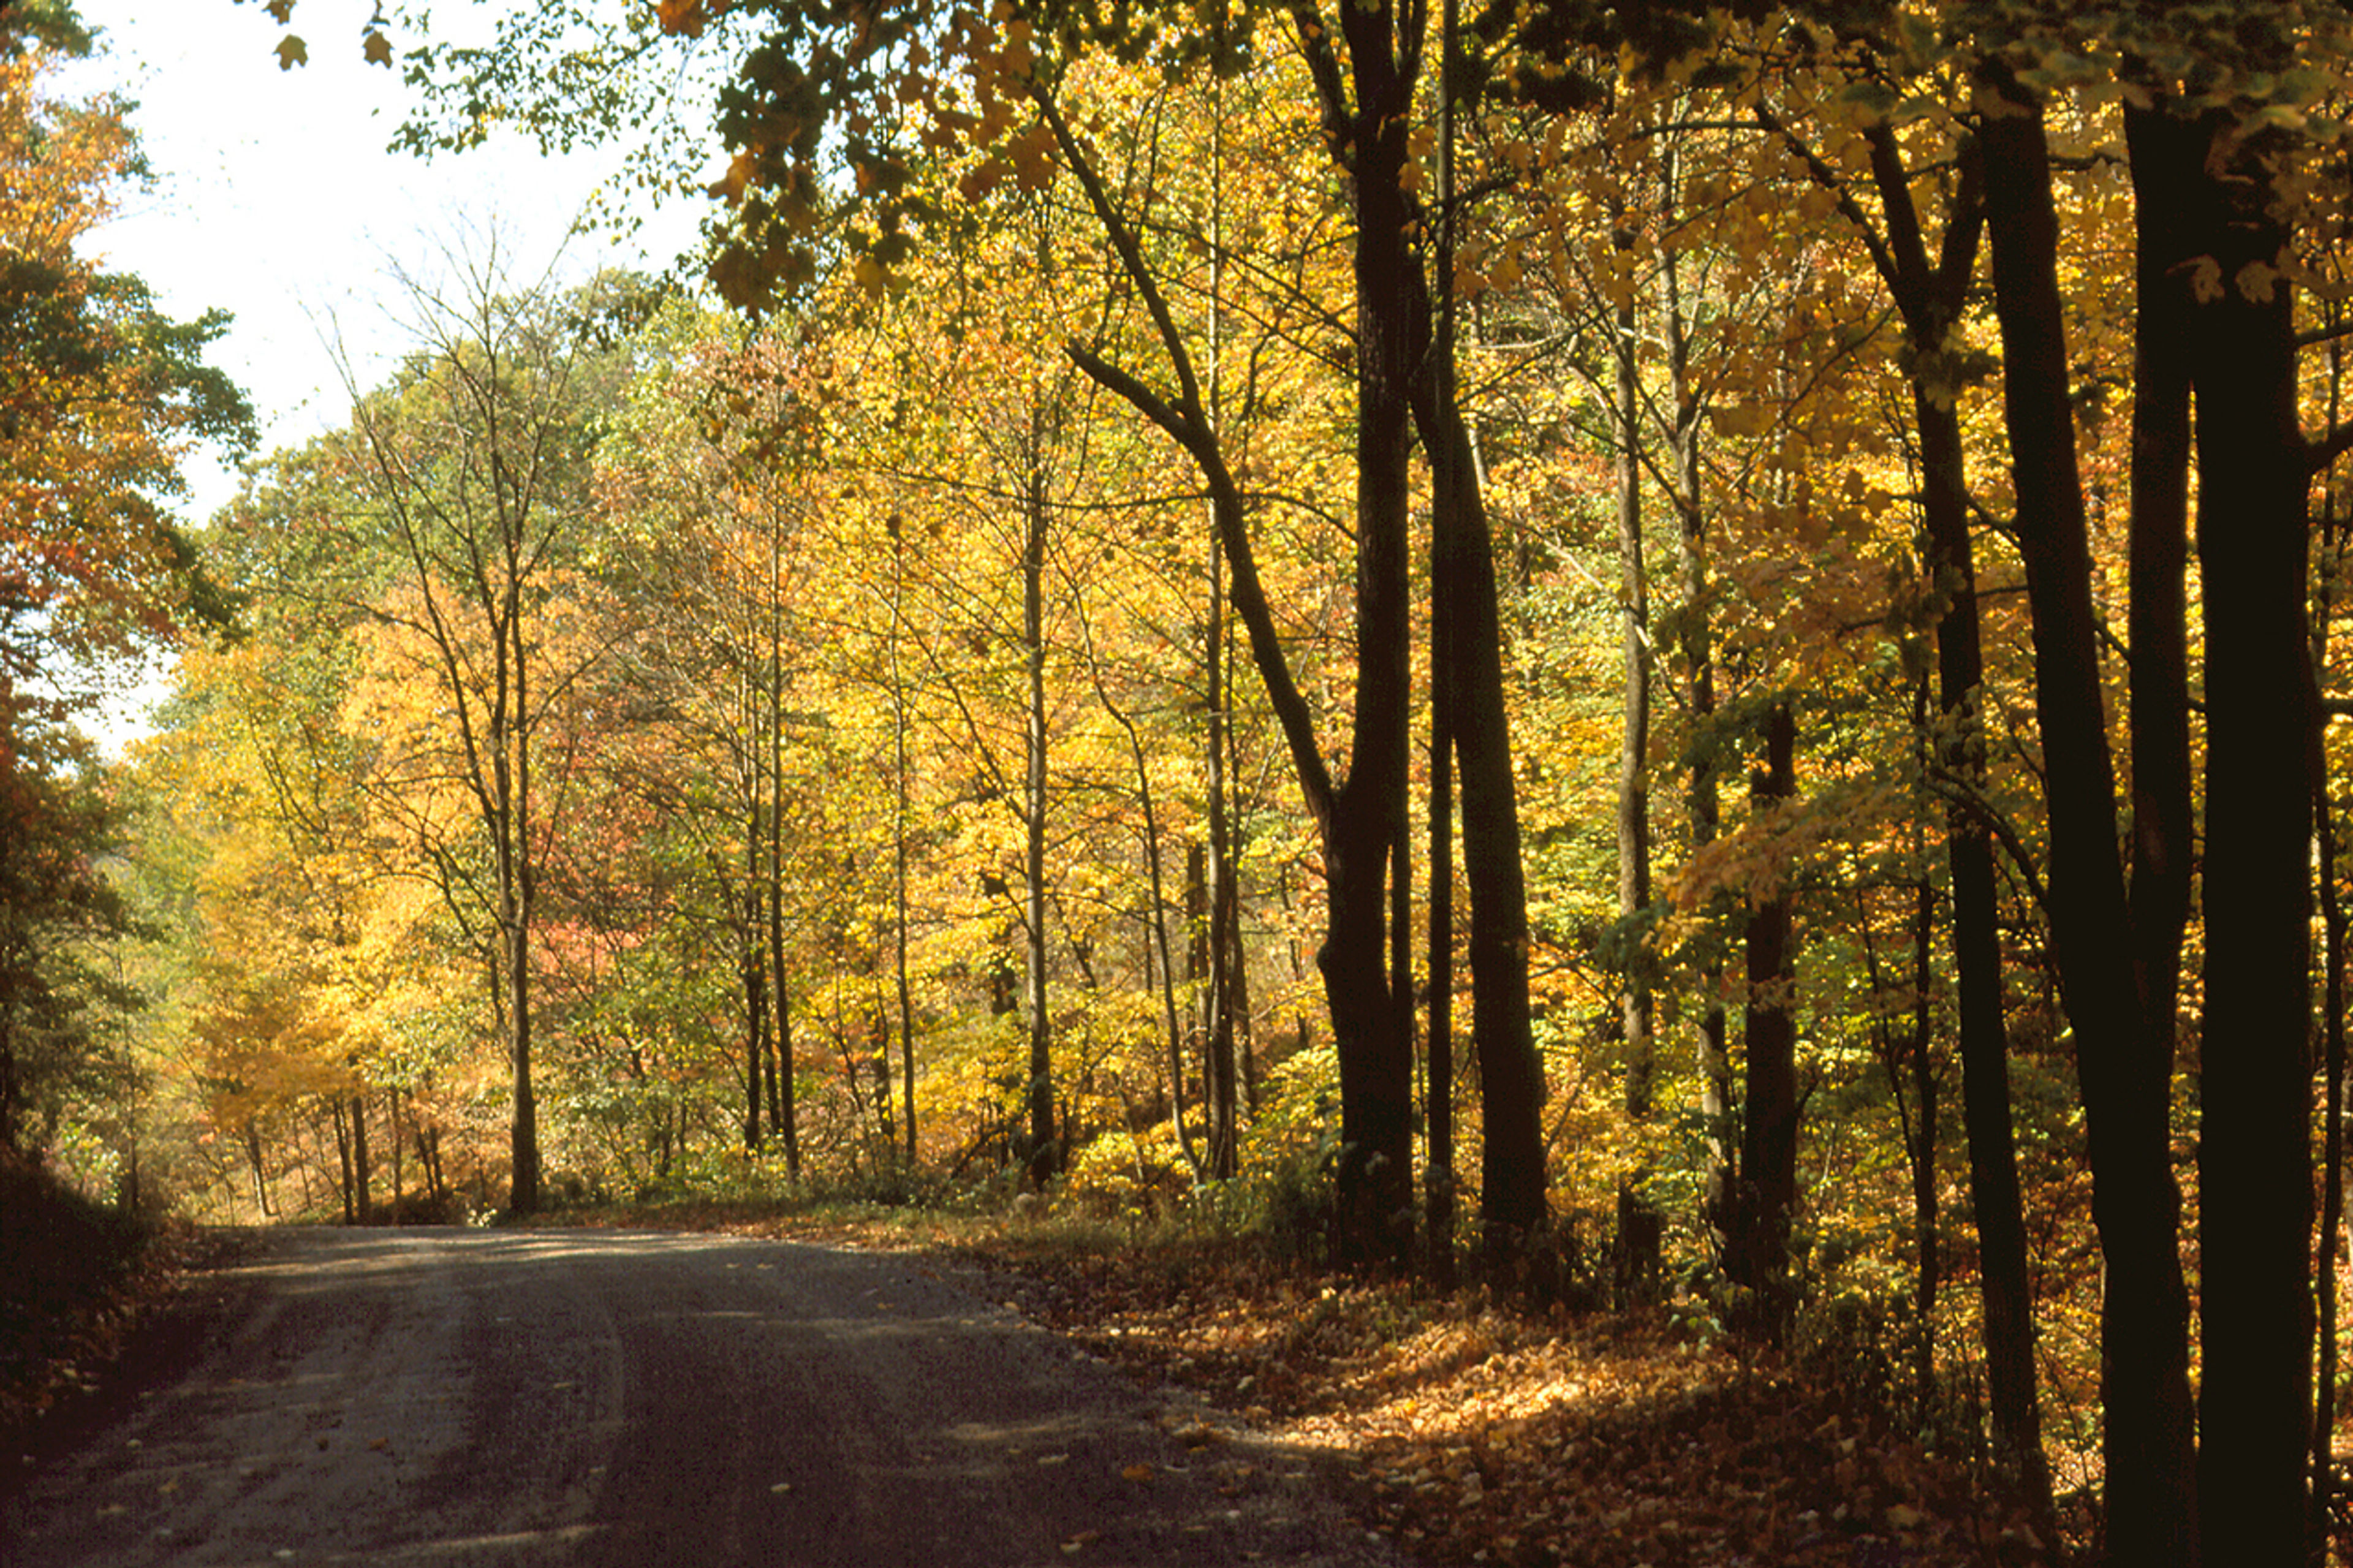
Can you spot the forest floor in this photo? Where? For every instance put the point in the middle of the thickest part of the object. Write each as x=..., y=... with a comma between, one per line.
x=1477, y=1431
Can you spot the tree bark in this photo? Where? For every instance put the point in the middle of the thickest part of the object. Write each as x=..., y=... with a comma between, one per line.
x=1768, y=1148
x=2255, y=1159
x=1044, y=1157
x=363, y=1172
x=1640, y=1229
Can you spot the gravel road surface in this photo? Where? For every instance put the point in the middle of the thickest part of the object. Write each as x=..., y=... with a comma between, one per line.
x=473, y=1397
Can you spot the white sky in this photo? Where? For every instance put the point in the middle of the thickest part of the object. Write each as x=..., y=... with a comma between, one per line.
x=274, y=197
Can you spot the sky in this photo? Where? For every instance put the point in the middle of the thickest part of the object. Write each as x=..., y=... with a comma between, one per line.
x=275, y=199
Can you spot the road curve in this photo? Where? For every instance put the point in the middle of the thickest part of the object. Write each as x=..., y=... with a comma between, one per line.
x=638, y=1401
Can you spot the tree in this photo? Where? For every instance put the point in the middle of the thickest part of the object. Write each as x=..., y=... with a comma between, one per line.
x=100, y=395
x=477, y=459
x=57, y=1047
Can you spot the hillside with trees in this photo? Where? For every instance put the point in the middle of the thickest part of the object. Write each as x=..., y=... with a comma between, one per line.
x=1677, y=662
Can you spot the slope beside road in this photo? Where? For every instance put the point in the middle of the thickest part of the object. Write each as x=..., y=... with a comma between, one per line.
x=602, y=1398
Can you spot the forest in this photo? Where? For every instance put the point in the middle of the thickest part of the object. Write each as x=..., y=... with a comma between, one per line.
x=1677, y=659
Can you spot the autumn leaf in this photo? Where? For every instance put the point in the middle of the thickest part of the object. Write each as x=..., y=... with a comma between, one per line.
x=281, y=11
x=680, y=16
x=1033, y=158
x=292, y=52
x=377, y=49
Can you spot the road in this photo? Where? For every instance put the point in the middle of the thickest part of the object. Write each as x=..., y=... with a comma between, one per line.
x=638, y=1401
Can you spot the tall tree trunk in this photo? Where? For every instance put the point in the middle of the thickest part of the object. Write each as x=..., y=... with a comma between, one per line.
x=2165, y=151
x=1768, y=1151
x=1222, y=971
x=1695, y=646
x=1221, y=908
x=394, y=1144
x=2254, y=1154
x=1932, y=294
x=1438, y=1095
x=1512, y=1207
x=2124, y=1065
x=781, y=1104
x=2004, y=1286
x=1438, y=1057
x=363, y=1174
x=783, y=1111
x=752, y=933
x=899, y=797
x=1926, y=1099
x=1640, y=1230
x=1366, y=123
x=1045, y=1156
x=1469, y=715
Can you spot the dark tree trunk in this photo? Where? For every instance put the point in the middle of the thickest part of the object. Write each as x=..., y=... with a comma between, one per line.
x=337, y=1111
x=1045, y=1156
x=1469, y=710
x=1932, y=295
x=1925, y=1096
x=1220, y=933
x=1511, y=1175
x=2004, y=1286
x=2125, y=1067
x=2164, y=152
x=1222, y=955
x=1367, y=129
x=1439, y=1178
x=363, y=1174
x=1768, y=1144
x=2254, y=1157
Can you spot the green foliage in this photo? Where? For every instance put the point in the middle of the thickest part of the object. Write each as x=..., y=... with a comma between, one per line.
x=61, y=1012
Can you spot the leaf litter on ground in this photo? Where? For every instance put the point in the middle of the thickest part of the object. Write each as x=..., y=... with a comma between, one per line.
x=1480, y=1431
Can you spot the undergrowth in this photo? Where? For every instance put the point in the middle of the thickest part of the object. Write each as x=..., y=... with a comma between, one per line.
x=74, y=1275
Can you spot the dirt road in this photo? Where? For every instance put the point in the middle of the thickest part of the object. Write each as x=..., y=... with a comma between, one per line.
x=473, y=1397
